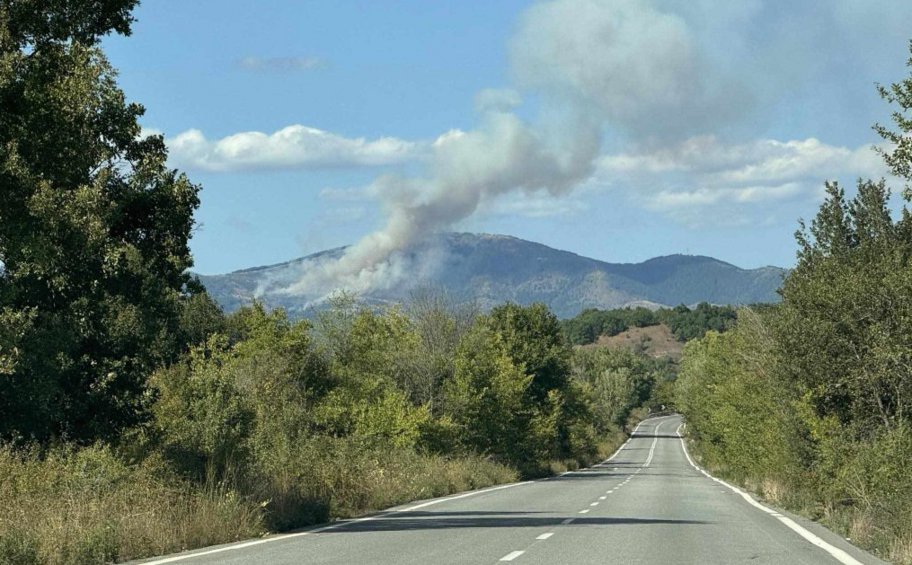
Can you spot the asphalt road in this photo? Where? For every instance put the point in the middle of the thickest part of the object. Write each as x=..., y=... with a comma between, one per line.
x=647, y=504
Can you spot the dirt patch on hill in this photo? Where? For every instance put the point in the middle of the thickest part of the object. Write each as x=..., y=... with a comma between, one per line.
x=657, y=341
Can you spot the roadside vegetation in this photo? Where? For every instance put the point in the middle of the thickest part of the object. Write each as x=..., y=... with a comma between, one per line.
x=268, y=424
x=809, y=403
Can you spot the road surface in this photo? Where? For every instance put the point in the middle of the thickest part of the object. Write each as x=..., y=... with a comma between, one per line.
x=647, y=504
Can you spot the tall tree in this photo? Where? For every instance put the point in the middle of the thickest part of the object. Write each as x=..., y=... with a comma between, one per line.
x=535, y=342
x=898, y=155
x=94, y=229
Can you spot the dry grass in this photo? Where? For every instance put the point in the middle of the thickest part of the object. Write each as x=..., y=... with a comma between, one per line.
x=88, y=507
x=773, y=490
x=901, y=550
x=656, y=341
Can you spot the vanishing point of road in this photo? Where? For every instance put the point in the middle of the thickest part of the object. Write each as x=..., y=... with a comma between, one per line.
x=648, y=503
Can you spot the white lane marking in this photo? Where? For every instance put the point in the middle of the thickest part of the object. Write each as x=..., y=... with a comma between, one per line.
x=512, y=555
x=652, y=449
x=594, y=504
x=567, y=521
x=840, y=555
x=613, y=455
x=586, y=511
x=602, y=497
x=340, y=524
x=545, y=536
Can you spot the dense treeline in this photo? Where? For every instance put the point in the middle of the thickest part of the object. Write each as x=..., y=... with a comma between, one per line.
x=810, y=402
x=685, y=323
x=269, y=424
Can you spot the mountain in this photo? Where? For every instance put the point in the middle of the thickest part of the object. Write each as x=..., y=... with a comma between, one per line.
x=492, y=269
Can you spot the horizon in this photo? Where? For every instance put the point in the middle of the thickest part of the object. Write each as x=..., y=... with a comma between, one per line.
x=320, y=126
x=640, y=262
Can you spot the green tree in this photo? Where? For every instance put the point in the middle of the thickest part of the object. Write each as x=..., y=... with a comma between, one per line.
x=535, y=342
x=899, y=156
x=93, y=229
x=845, y=318
x=485, y=397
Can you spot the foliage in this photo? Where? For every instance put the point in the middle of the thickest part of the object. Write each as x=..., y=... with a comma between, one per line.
x=535, y=343
x=738, y=407
x=846, y=319
x=485, y=397
x=685, y=323
x=93, y=230
x=591, y=323
x=618, y=381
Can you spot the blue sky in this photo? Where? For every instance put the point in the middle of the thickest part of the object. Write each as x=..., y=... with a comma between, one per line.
x=616, y=129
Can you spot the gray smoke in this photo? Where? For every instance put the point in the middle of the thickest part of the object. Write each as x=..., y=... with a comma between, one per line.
x=590, y=65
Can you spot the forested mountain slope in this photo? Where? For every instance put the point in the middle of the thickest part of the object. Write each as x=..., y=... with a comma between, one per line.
x=492, y=269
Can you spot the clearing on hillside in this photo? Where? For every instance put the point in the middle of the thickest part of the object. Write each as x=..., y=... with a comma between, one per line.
x=657, y=341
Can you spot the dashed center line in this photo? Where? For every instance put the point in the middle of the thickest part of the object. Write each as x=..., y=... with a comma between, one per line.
x=652, y=449
x=514, y=554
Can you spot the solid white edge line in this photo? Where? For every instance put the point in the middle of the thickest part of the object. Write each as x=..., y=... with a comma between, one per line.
x=333, y=526
x=512, y=555
x=839, y=554
x=613, y=455
x=280, y=537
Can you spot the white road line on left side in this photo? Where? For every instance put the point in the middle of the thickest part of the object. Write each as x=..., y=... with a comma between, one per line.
x=334, y=526
x=613, y=455
x=512, y=555
x=545, y=536
x=840, y=555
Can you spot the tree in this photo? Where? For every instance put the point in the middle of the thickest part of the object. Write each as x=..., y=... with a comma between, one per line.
x=485, y=398
x=94, y=229
x=845, y=317
x=533, y=338
x=899, y=156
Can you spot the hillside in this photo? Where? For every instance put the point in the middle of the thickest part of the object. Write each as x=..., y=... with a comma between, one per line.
x=491, y=269
x=656, y=341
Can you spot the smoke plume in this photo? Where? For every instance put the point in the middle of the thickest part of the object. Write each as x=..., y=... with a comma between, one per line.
x=591, y=67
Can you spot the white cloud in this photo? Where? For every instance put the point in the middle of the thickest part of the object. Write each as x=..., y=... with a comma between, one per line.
x=279, y=64
x=292, y=147
x=742, y=182
x=354, y=194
